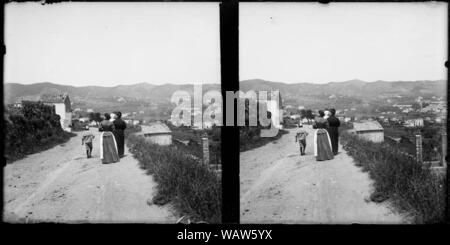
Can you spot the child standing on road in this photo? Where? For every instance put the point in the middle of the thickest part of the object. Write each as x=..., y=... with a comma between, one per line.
x=87, y=141
x=300, y=136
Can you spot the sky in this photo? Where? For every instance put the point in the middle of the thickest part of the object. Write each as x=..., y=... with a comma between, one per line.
x=320, y=43
x=110, y=44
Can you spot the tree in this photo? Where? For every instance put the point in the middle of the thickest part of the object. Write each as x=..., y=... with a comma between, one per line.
x=416, y=106
x=302, y=113
x=95, y=116
x=309, y=114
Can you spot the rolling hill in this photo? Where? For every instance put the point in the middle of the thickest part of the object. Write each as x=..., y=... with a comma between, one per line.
x=354, y=88
x=144, y=94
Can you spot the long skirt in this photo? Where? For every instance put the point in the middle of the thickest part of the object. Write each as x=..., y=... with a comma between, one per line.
x=108, y=148
x=120, y=140
x=333, y=132
x=322, y=145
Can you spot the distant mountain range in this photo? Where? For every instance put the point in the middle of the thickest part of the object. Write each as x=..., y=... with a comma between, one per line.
x=89, y=96
x=354, y=88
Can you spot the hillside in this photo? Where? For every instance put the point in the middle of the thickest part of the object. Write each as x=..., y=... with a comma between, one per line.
x=142, y=96
x=134, y=97
x=353, y=93
x=139, y=91
x=355, y=88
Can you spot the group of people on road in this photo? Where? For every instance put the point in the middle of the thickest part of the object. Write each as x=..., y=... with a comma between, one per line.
x=112, y=138
x=326, y=135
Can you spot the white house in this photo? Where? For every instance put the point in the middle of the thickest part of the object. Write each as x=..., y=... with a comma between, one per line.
x=275, y=108
x=84, y=119
x=93, y=124
x=62, y=107
x=414, y=122
x=156, y=133
x=369, y=130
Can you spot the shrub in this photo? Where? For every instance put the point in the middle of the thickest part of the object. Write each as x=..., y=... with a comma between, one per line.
x=411, y=187
x=182, y=180
x=290, y=123
x=132, y=129
x=33, y=128
x=194, y=137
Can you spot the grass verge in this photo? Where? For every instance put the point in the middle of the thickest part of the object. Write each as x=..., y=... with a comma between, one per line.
x=182, y=180
x=411, y=188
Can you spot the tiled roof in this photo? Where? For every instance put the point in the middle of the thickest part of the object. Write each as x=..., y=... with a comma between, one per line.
x=155, y=128
x=367, y=126
x=53, y=98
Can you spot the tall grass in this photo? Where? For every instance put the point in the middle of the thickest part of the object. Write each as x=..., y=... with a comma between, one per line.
x=182, y=180
x=410, y=187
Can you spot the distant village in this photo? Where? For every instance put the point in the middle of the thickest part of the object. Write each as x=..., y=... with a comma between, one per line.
x=432, y=110
x=397, y=123
x=68, y=116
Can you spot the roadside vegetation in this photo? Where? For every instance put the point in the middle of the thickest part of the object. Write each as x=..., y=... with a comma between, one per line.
x=190, y=140
x=191, y=187
x=131, y=129
x=32, y=128
x=411, y=188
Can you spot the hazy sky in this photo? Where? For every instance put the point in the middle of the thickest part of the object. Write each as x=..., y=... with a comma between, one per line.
x=112, y=43
x=311, y=42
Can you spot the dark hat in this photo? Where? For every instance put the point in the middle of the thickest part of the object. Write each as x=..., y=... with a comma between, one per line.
x=321, y=113
x=333, y=111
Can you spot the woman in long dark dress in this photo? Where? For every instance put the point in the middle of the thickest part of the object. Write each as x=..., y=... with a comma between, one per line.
x=108, y=145
x=322, y=143
x=119, y=127
x=333, y=130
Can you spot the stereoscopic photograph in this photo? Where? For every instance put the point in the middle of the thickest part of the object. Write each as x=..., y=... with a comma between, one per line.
x=359, y=117
x=104, y=117
x=114, y=113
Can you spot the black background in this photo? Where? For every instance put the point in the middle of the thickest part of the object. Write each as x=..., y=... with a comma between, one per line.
x=151, y=234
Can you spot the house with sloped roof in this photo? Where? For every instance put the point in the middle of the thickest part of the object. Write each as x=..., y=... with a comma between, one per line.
x=418, y=122
x=274, y=105
x=60, y=101
x=369, y=130
x=62, y=104
x=156, y=133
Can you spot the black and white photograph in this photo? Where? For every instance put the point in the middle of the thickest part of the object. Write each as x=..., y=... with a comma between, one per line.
x=225, y=120
x=91, y=129
x=362, y=112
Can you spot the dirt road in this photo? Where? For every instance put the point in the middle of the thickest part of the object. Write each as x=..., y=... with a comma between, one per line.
x=280, y=186
x=62, y=185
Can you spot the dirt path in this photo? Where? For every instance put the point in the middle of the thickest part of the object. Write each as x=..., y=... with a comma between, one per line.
x=62, y=185
x=279, y=186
